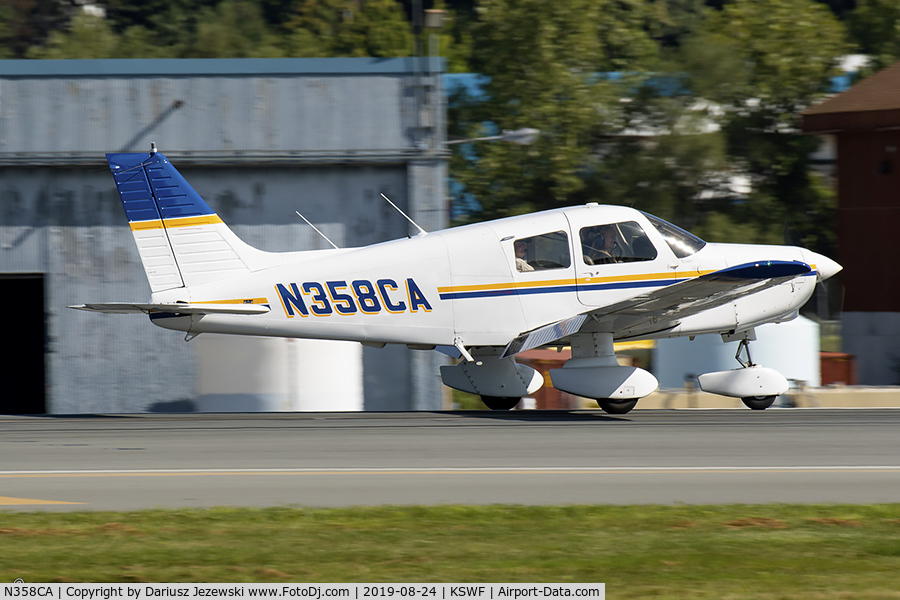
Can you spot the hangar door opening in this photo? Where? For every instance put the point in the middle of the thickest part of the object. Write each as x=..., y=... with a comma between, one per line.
x=22, y=350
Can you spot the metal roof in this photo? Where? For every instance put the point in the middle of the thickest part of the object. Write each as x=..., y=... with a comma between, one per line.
x=193, y=67
x=204, y=111
x=873, y=103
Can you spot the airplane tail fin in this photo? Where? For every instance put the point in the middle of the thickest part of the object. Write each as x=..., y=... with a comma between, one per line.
x=181, y=240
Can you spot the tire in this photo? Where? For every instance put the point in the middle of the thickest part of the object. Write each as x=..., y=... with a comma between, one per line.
x=500, y=402
x=758, y=402
x=616, y=407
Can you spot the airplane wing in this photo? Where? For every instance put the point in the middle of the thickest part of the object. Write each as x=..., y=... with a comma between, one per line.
x=665, y=307
x=174, y=307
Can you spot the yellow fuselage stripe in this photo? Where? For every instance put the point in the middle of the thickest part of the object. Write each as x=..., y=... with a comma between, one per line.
x=236, y=301
x=518, y=285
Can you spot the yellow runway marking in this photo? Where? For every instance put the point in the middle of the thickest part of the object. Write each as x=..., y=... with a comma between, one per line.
x=7, y=501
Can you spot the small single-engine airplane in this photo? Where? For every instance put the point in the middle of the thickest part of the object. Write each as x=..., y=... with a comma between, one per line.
x=582, y=277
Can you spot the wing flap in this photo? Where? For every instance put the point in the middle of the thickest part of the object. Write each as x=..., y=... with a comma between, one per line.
x=545, y=335
x=174, y=307
x=663, y=308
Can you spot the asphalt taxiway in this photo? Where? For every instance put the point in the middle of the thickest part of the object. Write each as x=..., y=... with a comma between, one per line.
x=127, y=462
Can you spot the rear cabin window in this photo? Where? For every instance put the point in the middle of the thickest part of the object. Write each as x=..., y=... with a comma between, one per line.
x=616, y=243
x=542, y=252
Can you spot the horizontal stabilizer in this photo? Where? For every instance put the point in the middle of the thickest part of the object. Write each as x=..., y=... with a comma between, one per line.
x=174, y=307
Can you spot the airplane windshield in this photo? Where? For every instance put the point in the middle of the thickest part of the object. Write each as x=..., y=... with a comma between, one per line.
x=682, y=243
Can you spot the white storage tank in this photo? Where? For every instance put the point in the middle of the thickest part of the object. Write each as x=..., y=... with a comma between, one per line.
x=790, y=348
x=257, y=374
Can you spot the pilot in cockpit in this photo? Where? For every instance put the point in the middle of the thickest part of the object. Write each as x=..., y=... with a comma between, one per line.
x=521, y=248
x=599, y=245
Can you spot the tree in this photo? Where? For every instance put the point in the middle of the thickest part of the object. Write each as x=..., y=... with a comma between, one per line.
x=91, y=36
x=375, y=28
x=172, y=22
x=88, y=36
x=26, y=23
x=669, y=160
x=545, y=63
x=234, y=29
x=875, y=28
x=762, y=62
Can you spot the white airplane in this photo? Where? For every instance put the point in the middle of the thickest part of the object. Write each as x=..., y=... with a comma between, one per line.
x=581, y=277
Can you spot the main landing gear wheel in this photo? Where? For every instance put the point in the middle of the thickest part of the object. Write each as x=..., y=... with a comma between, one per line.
x=758, y=402
x=500, y=402
x=616, y=407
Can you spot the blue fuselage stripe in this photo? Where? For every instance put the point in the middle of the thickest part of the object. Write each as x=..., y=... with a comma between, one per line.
x=626, y=285
x=555, y=289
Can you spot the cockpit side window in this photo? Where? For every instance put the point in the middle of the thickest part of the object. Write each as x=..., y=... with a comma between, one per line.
x=682, y=243
x=616, y=243
x=542, y=252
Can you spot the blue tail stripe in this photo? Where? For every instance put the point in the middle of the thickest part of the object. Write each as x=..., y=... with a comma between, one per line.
x=151, y=188
x=174, y=195
x=133, y=186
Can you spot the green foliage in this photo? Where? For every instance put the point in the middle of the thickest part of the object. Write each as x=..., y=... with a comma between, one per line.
x=161, y=16
x=349, y=28
x=88, y=37
x=875, y=28
x=453, y=42
x=233, y=29
x=788, y=50
x=762, y=62
x=702, y=95
x=171, y=25
x=544, y=63
x=675, y=19
x=6, y=35
x=26, y=23
x=742, y=551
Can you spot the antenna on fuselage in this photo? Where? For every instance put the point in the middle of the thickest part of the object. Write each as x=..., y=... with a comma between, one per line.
x=416, y=225
x=316, y=229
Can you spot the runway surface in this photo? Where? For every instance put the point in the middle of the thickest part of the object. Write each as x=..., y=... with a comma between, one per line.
x=131, y=462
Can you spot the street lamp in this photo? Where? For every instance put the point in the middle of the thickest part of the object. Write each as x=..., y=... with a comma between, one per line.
x=523, y=137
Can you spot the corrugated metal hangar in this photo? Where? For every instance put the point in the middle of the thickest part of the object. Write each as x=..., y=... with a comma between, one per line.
x=258, y=139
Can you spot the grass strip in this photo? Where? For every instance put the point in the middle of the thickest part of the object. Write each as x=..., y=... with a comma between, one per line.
x=738, y=551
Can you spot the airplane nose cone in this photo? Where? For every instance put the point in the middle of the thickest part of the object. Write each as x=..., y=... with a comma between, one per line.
x=824, y=266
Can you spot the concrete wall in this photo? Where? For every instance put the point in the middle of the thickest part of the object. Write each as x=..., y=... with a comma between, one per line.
x=874, y=337
x=258, y=139
x=68, y=224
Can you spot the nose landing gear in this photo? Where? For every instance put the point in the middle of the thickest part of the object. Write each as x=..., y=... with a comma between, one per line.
x=756, y=386
x=751, y=402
